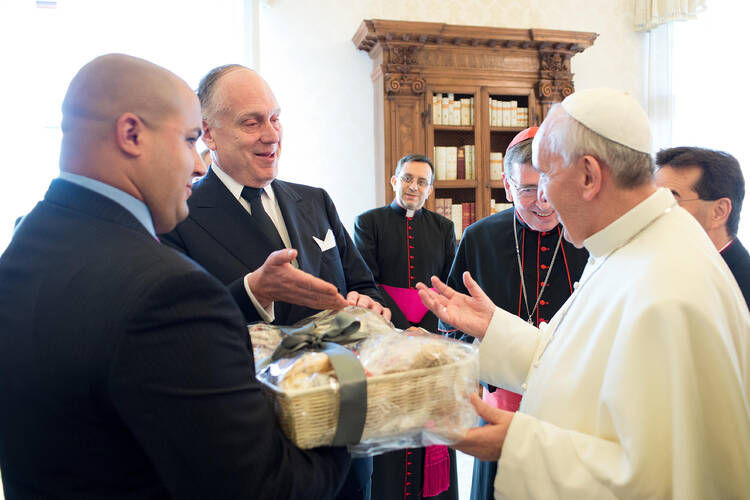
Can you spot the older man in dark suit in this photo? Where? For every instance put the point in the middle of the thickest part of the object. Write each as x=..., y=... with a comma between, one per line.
x=125, y=368
x=240, y=212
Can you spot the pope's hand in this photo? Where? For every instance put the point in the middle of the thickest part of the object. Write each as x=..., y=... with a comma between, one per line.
x=278, y=279
x=470, y=314
x=358, y=299
x=486, y=443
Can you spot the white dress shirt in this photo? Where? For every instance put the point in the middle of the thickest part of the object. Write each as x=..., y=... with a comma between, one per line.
x=271, y=206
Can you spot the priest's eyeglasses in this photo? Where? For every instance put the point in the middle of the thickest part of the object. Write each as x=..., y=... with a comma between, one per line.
x=408, y=179
x=683, y=200
x=525, y=191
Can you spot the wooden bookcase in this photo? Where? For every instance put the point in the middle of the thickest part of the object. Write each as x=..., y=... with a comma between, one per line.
x=412, y=61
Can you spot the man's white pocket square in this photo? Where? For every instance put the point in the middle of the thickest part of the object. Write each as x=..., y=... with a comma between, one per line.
x=327, y=243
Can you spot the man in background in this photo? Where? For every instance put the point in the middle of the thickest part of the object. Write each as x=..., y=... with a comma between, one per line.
x=520, y=259
x=638, y=386
x=709, y=184
x=403, y=244
x=240, y=213
x=125, y=368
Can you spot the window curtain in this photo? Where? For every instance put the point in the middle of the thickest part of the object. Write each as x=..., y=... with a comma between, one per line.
x=652, y=13
x=660, y=91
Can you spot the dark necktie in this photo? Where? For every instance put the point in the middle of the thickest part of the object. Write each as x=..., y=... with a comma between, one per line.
x=252, y=195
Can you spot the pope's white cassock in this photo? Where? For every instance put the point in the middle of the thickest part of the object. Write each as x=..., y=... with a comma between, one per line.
x=638, y=386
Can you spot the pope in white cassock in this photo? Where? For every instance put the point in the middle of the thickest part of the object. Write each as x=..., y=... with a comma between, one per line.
x=638, y=386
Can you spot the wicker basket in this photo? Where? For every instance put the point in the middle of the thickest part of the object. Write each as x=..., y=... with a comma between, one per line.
x=397, y=404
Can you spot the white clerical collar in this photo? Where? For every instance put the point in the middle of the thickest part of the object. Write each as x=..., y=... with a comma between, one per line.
x=235, y=187
x=728, y=244
x=625, y=227
x=410, y=213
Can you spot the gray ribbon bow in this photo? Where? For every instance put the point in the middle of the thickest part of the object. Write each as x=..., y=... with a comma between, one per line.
x=349, y=371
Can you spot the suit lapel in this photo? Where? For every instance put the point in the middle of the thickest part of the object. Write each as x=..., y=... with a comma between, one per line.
x=214, y=209
x=298, y=218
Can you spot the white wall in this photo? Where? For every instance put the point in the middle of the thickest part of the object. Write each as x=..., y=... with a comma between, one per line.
x=323, y=82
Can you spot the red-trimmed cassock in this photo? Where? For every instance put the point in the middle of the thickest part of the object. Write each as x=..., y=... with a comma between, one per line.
x=403, y=248
x=488, y=252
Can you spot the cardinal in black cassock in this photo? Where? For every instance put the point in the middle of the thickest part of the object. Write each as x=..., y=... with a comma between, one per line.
x=404, y=244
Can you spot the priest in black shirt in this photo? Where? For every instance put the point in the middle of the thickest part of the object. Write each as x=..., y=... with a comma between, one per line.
x=521, y=260
x=709, y=184
x=404, y=244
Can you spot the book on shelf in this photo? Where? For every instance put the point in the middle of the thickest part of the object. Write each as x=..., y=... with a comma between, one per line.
x=440, y=163
x=471, y=172
x=448, y=208
x=508, y=111
x=507, y=114
x=496, y=166
x=461, y=163
x=457, y=218
x=437, y=109
x=496, y=206
x=443, y=206
x=456, y=112
x=461, y=214
x=454, y=162
x=447, y=110
x=465, y=111
x=522, y=117
x=451, y=167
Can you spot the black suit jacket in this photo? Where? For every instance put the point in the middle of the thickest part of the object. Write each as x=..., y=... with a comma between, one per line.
x=125, y=370
x=220, y=235
x=738, y=260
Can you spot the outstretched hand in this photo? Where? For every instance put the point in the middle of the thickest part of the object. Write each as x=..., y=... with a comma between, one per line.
x=278, y=280
x=470, y=314
x=486, y=443
x=361, y=300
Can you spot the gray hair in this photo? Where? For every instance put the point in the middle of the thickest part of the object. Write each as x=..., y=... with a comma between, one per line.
x=207, y=85
x=571, y=140
x=520, y=154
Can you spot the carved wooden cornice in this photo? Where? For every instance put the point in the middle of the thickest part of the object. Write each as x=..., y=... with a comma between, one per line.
x=377, y=31
x=409, y=50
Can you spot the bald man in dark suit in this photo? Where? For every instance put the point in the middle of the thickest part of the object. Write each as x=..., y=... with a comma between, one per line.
x=125, y=368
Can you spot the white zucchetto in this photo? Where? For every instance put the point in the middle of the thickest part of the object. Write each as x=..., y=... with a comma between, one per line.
x=613, y=114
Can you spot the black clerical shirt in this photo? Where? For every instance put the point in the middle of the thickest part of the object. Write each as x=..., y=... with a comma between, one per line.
x=738, y=260
x=402, y=251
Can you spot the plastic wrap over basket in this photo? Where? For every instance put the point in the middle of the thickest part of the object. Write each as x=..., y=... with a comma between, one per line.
x=418, y=386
